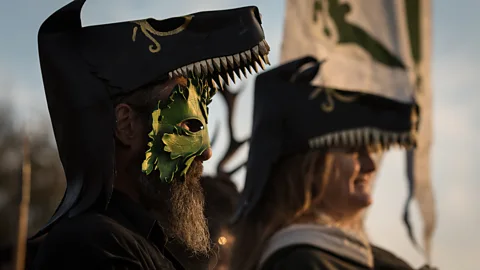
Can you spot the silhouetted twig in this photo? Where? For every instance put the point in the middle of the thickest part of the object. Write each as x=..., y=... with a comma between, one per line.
x=234, y=144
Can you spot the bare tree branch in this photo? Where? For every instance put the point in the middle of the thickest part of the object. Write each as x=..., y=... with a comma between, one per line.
x=234, y=144
x=215, y=133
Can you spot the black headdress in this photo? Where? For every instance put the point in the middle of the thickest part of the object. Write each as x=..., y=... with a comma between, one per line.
x=84, y=68
x=292, y=116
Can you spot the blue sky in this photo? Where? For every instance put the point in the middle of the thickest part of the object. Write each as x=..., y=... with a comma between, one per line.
x=454, y=164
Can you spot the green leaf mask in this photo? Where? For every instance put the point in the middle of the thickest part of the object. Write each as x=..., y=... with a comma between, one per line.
x=172, y=147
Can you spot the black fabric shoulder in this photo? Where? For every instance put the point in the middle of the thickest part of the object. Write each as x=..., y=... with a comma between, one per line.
x=91, y=241
x=305, y=257
x=384, y=259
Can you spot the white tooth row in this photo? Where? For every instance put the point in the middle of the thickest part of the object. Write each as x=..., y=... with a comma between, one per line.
x=364, y=136
x=249, y=58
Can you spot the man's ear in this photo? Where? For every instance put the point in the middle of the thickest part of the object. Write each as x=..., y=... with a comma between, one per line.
x=125, y=124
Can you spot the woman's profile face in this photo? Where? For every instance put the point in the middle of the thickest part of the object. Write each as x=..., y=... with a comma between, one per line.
x=349, y=187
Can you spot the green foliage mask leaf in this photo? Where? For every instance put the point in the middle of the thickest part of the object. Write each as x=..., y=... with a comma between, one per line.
x=179, y=130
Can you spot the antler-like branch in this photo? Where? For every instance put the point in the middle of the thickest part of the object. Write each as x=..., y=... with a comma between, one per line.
x=214, y=136
x=230, y=99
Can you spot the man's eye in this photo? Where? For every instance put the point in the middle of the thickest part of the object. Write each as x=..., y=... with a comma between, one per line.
x=192, y=125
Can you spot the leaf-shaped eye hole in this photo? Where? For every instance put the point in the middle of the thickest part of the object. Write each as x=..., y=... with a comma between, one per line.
x=170, y=26
x=192, y=125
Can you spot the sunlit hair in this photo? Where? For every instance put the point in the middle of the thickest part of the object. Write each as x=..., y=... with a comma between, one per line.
x=289, y=195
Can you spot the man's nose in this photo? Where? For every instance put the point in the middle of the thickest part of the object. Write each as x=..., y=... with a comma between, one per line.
x=206, y=155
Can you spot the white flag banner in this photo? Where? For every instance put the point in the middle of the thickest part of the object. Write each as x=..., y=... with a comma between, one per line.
x=380, y=47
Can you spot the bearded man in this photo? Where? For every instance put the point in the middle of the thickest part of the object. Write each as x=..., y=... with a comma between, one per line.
x=128, y=103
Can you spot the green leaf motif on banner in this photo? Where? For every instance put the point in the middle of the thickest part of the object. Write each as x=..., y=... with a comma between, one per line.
x=350, y=33
x=413, y=10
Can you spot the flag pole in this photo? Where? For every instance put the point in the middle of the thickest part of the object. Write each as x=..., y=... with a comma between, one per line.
x=24, y=207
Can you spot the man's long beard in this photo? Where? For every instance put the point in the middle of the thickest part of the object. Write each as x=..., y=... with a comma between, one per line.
x=179, y=207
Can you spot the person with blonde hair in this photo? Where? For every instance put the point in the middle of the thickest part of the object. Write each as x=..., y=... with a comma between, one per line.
x=310, y=171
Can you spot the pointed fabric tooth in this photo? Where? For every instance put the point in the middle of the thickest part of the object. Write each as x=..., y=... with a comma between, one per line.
x=385, y=139
x=230, y=61
x=224, y=62
x=215, y=84
x=336, y=139
x=344, y=138
x=255, y=51
x=211, y=83
x=221, y=80
x=237, y=72
x=359, y=135
x=262, y=48
x=314, y=142
x=231, y=75
x=237, y=59
x=210, y=66
x=402, y=138
x=254, y=66
x=204, y=66
x=408, y=137
x=266, y=60
x=395, y=137
x=243, y=56
x=249, y=55
x=244, y=71
x=320, y=142
x=198, y=69
x=216, y=79
x=225, y=78
x=351, y=136
x=229, y=78
x=249, y=69
x=376, y=136
x=328, y=139
x=367, y=136
x=217, y=64
x=260, y=62
x=265, y=43
x=390, y=138
x=175, y=72
x=170, y=74
x=184, y=71
x=190, y=67
x=405, y=138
